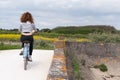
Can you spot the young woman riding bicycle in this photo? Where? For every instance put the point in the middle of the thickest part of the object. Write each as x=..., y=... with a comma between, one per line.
x=27, y=29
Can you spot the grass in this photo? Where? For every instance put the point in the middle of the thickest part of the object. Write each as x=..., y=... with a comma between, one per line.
x=75, y=64
x=8, y=46
x=41, y=44
x=76, y=69
x=37, y=45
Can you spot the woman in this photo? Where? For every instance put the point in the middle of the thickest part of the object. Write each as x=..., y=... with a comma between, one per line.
x=27, y=29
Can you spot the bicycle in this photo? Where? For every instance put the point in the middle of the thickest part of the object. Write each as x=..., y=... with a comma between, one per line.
x=26, y=53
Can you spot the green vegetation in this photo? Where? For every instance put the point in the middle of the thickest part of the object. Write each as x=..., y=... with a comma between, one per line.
x=94, y=33
x=45, y=37
x=37, y=45
x=43, y=45
x=75, y=65
x=84, y=29
x=105, y=38
x=102, y=67
x=69, y=31
x=76, y=69
x=8, y=46
x=11, y=31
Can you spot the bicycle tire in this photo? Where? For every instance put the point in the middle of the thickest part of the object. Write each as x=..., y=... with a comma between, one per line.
x=25, y=55
x=25, y=64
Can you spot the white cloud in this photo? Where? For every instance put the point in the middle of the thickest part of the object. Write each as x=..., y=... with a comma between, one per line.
x=4, y=4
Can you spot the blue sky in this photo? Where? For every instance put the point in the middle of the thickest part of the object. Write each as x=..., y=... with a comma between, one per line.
x=53, y=13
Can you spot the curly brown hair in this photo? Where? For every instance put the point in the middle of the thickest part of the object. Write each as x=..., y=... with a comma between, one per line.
x=27, y=17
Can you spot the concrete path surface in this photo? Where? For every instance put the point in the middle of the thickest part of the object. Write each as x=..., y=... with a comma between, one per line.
x=11, y=65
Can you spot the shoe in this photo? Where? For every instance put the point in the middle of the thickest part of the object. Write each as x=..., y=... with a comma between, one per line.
x=30, y=59
x=21, y=53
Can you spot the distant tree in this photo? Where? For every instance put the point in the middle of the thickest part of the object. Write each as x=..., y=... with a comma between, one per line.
x=45, y=30
x=13, y=29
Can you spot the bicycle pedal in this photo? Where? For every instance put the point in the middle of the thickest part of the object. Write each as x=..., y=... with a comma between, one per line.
x=21, y=53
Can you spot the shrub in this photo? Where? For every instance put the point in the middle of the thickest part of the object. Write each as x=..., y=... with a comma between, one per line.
x=104, y=37
x=41, y=44
x=102, y=67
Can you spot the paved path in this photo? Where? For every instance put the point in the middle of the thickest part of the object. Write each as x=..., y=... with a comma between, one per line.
x=11, y=65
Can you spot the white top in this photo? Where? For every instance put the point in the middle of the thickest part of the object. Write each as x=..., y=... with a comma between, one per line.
x=27, y=27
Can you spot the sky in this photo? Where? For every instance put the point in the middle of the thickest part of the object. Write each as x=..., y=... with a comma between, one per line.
x=54, y=13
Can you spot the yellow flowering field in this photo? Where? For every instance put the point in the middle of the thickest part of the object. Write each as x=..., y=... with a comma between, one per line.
x=16, y=37
x=78, y=40
x=83, y=40
x=13, y=37
x=45, y=38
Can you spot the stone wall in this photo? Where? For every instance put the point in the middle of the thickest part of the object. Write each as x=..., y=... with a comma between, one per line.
x=58, y=69
x=89, y=54
x=86, y=53
x=94, y=49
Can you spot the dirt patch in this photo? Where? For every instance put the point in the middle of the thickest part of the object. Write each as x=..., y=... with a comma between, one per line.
x=88, y=72
x=113, y=72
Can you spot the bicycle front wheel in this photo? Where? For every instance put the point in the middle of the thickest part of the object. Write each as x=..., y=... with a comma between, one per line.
x=25, y=64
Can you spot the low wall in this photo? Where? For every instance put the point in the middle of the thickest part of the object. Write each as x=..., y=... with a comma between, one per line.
x=58, y=69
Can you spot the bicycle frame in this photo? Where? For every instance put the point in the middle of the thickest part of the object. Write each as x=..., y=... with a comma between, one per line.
x=26, y=50
x=26, y=54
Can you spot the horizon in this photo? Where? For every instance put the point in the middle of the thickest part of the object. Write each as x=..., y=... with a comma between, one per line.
x=70, y=26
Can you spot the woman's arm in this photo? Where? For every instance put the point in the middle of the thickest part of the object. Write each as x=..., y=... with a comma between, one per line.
x=34, y=28
x=20, y=29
